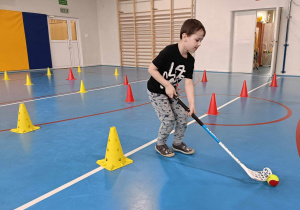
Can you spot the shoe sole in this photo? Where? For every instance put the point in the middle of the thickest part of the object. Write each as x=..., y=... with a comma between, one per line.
x=169, y=155
x=187, y=153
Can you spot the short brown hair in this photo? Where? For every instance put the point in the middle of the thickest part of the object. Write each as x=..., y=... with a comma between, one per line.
x=190, y=26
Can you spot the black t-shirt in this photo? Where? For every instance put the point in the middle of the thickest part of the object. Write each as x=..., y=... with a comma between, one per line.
x=172, y=66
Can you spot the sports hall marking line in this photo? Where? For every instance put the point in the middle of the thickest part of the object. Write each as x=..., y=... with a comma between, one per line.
x=91, y=115
x=220, y=107
x=61, y=94
x=47, y=195
x=72, y=93
x=69, y=93
x=75, y=118
x=289, y=114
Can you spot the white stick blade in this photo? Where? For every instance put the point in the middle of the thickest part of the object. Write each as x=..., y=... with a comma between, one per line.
x=259, y=175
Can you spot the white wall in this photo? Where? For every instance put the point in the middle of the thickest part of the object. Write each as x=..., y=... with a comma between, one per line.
x=108, y=32
x=85, y=11
x=216, y=17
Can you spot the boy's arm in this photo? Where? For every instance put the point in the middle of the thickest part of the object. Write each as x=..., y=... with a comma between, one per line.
x=170, y=90
x=189, y=89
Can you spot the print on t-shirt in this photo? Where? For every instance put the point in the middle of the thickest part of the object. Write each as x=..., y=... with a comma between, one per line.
x=171, y=75
x=172, y=66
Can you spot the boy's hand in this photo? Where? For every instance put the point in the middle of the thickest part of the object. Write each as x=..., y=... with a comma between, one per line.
x=170, y=90
x=192, y=110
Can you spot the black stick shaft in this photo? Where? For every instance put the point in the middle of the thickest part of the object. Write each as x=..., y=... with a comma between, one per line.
x=188, y=110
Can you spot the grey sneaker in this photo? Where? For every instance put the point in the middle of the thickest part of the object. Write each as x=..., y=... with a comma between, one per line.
x=183, y=148
x=164, y=150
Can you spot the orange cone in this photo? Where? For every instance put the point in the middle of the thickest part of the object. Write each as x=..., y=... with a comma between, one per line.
x=129, y=95
x=274, y=81
x=126, y=80
x=71, y=76
x=244, y=92
x=213, y=106
x=204, y=78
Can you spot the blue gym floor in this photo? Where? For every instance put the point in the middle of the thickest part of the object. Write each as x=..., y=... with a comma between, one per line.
x=55, y=167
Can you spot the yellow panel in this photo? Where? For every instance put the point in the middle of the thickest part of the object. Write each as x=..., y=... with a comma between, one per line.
x=13, y=50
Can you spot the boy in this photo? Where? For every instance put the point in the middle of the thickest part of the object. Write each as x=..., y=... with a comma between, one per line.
x=173, y=64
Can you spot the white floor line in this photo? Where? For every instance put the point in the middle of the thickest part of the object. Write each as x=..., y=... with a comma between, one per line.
x=56, y=96
x=47, y=195
x=261, y=86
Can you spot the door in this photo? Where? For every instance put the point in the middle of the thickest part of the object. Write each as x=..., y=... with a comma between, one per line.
x=65, y=50
x=243, y=41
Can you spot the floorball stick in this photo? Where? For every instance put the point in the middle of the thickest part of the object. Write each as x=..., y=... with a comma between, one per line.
x=256, y=175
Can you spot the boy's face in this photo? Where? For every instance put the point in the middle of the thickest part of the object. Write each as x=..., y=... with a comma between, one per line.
x=193, y=41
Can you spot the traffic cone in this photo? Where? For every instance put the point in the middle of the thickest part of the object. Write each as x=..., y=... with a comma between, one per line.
x=126, y=80
x=49, y=78
x=82, y=89
x=24, y=123
x=79, y=69
x=28, y=81
x=48, y=72
x=114, y=157
x=244, y=92
x=116, y=72
x=204, y=78
x=129, y=97
x=274, y=81
x=6, y=76
x=71, y=76
x=213, y=106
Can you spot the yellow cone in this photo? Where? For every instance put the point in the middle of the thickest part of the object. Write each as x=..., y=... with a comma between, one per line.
x=28, y=81
x=48, y=72
x=6, y=76
x=82, y=89
x=114, y=157
x=24, y=123
x=116, y=72
x=79, y=70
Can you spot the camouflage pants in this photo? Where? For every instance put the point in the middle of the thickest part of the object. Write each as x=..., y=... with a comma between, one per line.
x=169, y=113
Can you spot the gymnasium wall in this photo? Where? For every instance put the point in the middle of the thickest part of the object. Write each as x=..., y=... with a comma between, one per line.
x=214, y=54
x=100, y=39
x=108, y=32
x=85, y=11
x=216, y=16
